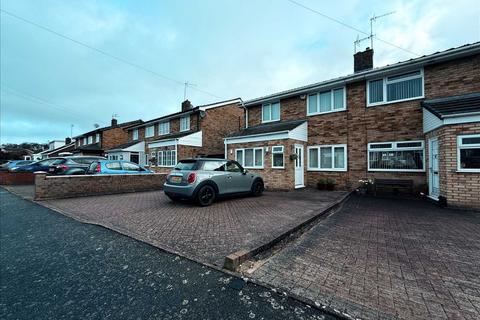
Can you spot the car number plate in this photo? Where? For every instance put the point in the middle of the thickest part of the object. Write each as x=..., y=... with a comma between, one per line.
x=51, y=169
x=176, y=179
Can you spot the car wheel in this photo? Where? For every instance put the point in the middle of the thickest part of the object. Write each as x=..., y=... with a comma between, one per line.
x=205, y=195
x=257, y=188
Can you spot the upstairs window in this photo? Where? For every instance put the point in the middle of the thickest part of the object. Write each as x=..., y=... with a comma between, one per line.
x=149, y=131
x=401, y=87
x=396, y=156
x=468, y=153
x=135, y=134
x=97, y=138
x=185, y=123
x=271, y=112
x=90, y=139
x=326, y=101
x=85, y=140
x=164, y=128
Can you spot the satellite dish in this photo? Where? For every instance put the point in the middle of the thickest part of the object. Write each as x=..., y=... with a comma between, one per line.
x=96, y=125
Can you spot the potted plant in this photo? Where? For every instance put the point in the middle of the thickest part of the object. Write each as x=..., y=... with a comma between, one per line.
x=366, y=186
x=322, y=184
x=330, y=184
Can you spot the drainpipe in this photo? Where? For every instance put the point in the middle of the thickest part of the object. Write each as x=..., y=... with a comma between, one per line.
x=226, y=148
x=246, y=113
x=176, y=151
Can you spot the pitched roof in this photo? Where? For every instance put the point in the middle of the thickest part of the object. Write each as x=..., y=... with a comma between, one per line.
x=174, y=135
x=454, y=105
x=446, y=55
x=168, y=116
x=120, y=125
x=267, y=128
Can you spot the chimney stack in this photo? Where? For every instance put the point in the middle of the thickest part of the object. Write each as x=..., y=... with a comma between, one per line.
x=363, y=60
x=114, y=122
x=186, y=105
x=68, y=140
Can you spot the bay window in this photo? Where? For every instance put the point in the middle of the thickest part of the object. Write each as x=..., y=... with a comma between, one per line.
x=326, y=101
x=250, y=157
x=271, y=112
x=277, y=157
x=468, y=153
x=327, y=157
x=401, y=87
x=396, y=156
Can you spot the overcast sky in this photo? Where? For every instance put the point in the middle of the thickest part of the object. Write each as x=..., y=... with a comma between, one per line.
x=227, y=48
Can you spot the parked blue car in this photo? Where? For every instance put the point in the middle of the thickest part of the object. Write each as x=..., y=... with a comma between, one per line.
x=12, y=164
x=116, y=167
x=41, y=165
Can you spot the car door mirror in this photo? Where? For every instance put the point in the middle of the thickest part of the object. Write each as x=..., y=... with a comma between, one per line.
x=244, y=171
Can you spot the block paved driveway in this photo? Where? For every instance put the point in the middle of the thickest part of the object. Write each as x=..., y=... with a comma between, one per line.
x=205, y=234
x=385, y=258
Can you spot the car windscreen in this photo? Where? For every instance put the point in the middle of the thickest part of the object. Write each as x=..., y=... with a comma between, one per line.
x=186, y=165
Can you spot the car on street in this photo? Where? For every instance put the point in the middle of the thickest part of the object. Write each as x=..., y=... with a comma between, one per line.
x=41, y=165
x=72, y=165
x=205, y=179
x=116, y=167
x=12, y=164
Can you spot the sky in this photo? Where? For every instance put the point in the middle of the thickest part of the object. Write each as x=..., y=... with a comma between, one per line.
x=225, y=49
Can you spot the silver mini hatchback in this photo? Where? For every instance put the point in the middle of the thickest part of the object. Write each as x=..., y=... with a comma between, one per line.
x=205, y=179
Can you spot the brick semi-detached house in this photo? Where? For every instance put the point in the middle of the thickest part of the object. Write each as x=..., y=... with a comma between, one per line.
x=98, y=141
x=192, y=132
x=415, y=120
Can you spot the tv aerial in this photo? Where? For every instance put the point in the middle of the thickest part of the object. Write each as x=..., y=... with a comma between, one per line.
x=373, y=19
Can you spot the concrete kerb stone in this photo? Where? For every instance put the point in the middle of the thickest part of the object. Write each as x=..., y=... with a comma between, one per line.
x=233, y=261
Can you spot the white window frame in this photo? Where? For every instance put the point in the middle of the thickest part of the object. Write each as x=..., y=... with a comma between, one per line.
x=97, y=138
x=169, y=158
x=460, y=146
x=395, y=148
x=283, y=157
x=185, y=123
x=166, y=128
x=331, y=101
x=84, y=141
x=135, y=134
x=242, y=162
x=386, y=82
x=153, y=154
x=270, y=105
x=147, y=135
x=90, y=139
x=332, y=147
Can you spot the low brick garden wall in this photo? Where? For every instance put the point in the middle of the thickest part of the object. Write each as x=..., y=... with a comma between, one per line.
x=16, y=178
x=57, y=187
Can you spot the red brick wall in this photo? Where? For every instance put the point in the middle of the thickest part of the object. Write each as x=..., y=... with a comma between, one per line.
x=16, y=178
x=274, y=179
x=461, y=189
x=113, y=137
x=57, y=187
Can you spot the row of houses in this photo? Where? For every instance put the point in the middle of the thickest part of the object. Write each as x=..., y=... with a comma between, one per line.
x=417, y=120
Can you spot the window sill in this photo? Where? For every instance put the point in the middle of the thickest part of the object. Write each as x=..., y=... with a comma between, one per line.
x=326, y=112
x=468, y=170
x=279, y=168
x=376, y=104
x=395, y=170
x=254, y=168
x=268, y=121
x=326, y=170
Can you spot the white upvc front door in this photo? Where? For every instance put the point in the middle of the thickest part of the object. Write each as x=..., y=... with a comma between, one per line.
x=433, y=169
x=299, y=170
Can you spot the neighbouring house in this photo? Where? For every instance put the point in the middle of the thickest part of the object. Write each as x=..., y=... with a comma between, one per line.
x=97, y=141
x=375, y=123
x=56, y=148
x=194, y=131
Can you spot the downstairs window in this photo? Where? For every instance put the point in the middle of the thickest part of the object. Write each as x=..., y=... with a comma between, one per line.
x=396, y=156
x=468, y=153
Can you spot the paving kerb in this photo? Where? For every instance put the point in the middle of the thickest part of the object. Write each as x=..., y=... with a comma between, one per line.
x=235, y=259
x=313, y=304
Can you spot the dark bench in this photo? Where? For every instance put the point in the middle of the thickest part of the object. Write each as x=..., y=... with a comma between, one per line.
x=394, y=183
